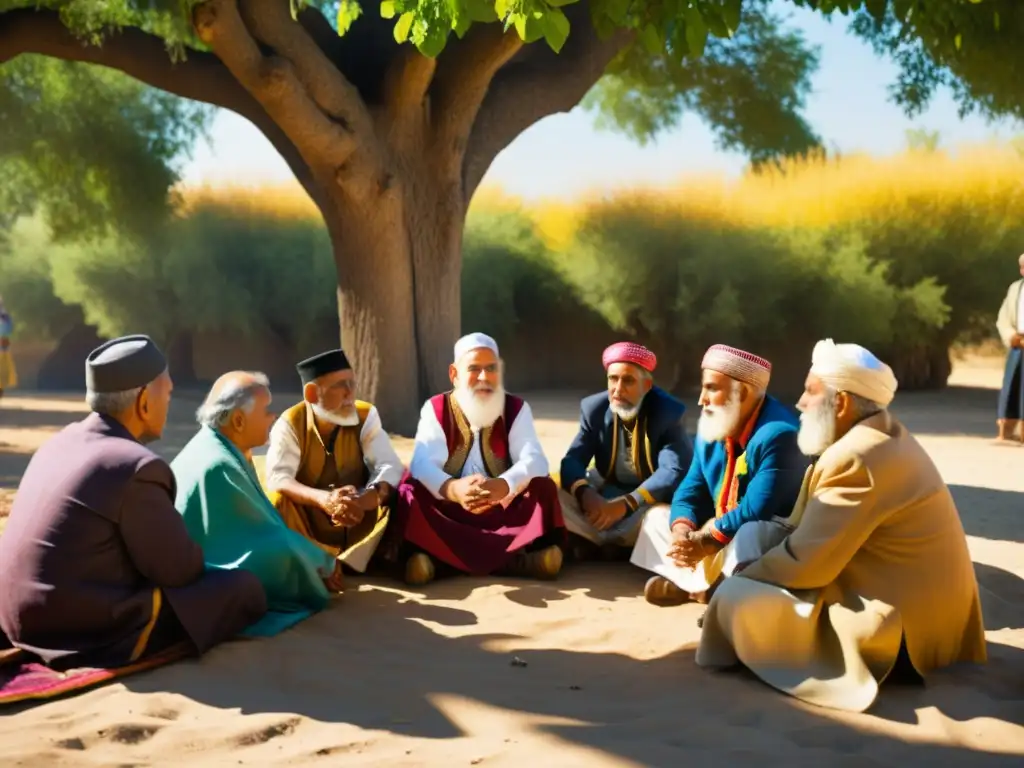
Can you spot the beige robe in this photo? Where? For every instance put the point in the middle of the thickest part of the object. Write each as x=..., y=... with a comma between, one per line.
x=1007, y=321
x=879, y=553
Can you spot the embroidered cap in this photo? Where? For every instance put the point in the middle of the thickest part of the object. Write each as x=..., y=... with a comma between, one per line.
x=629, y=352
x=738, y=364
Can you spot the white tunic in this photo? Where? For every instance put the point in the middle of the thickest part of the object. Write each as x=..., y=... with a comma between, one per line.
x=431, y=453
x=285, y=453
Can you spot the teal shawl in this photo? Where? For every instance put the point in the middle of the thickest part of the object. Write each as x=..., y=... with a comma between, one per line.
x=230, y=517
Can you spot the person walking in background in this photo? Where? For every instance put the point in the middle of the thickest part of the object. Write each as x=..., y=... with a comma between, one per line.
x=1010, y=324
x=8, y=375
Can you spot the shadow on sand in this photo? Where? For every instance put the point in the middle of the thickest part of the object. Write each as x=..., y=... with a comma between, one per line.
x=990, y=513
x=663, y=711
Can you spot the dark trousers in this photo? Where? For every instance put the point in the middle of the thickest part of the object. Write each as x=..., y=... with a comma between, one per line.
x=1011, y=396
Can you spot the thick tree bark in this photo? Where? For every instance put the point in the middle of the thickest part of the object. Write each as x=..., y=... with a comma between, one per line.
x=390, y=146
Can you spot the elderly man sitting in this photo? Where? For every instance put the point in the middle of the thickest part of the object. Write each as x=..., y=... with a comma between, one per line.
x=739, y=490
x=227, y=513
x=478, y=496
x=636, y=435
x=331, y=470
x=877, y=570
x=96, y=566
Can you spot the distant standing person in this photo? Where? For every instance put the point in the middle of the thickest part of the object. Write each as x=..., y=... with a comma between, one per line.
x=1010, y=323
x=8, y=376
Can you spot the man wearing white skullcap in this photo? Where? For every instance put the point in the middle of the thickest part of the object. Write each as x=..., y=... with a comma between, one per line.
x=739, y=489
x=876, y=576
x=478, y=497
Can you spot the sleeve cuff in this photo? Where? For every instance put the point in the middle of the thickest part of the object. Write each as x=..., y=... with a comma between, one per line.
x=645, y=495
x=718, y=535
x=682, y=522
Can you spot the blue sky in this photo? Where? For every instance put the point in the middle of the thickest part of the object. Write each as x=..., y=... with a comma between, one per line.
x=564, y=155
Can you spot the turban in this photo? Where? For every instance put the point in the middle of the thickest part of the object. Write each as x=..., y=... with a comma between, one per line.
x=122, y=364
x=851, y=368
x=738, y=365
x=312, y=368
x=628, y=352
x=472, y=341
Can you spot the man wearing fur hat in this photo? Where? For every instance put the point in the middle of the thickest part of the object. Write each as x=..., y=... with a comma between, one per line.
x=630, y=453
x=739, y=490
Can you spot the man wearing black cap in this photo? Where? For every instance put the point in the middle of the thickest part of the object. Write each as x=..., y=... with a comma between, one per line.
x=96, y=565
x=331, y=470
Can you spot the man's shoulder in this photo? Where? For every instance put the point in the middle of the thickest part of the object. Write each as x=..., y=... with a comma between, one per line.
x=776, y=420
x=664, y=406
x=595, y=404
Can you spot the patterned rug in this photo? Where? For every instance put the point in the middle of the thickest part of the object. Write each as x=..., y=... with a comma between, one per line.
x=23, y=678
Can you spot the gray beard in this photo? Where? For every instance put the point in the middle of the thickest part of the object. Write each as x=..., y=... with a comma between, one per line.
x=348, y=420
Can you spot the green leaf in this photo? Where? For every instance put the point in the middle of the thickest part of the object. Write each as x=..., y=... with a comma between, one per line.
x=877, y=8
x=434, y=41
x=503, y=8
x=995, y=20
x=348, y=12
x=529, y=28
x=696, y=32
x=716, y=25
x=461, y=24
x=481, y=10
x=732, y=11
x=651, y=39
x=958, y=41
x=561, y=3
x=616, y=10
x=556, y=28
x=403, y=26
x=387, y=9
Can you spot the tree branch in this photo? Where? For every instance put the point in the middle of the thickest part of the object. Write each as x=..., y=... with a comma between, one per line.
x=271, y=23
x=407, y=80
x=544, y=84
x=464, y=74
x=273, y=82
x=201, y=76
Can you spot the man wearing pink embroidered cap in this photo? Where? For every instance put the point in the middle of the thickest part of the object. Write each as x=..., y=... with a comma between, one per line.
x=740, y=489
x=630, y=453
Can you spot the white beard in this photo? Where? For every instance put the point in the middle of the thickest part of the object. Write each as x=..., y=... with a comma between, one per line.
x=480, y=411
x=716, y=424
x=817, y=429
x=627, y=414
x=341, y=420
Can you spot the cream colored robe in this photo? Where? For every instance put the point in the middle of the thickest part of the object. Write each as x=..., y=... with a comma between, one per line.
x=879, y=553
x=1007, y=320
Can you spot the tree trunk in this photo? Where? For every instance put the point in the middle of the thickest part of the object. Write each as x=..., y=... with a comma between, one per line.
x=397, y=247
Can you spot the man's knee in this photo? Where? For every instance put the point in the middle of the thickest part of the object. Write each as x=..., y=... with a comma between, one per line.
x=543, y=487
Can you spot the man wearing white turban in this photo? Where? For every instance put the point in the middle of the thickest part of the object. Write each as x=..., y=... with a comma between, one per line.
x=876, y=574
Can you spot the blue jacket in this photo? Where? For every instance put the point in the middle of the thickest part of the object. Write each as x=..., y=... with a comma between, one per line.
x=663, y=454
x=765, y=469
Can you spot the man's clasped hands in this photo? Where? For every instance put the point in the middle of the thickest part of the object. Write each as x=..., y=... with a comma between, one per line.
x=476, y=493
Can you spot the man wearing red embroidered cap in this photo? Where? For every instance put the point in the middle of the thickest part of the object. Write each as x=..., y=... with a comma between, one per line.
x=634, y=436
x=740, y=488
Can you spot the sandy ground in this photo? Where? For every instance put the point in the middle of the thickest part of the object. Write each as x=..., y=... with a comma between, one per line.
x=392, y=677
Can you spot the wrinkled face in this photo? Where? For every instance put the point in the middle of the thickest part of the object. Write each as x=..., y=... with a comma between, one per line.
x=477, y=372
x=627, y=386
x=152, y=406
x=253, y=428
x=335, y=392
x=721, y=405
x=818, y=417
x=478, y=386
